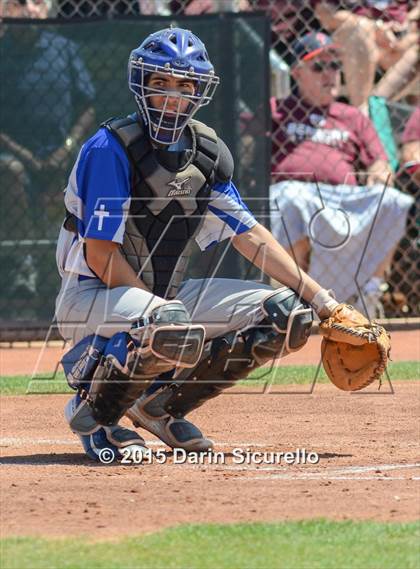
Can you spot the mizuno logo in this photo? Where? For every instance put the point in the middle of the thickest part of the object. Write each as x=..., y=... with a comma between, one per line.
x=179, y=188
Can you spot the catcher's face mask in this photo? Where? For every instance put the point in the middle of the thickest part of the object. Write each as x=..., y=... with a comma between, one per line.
x=169, y=99
x=188, y=81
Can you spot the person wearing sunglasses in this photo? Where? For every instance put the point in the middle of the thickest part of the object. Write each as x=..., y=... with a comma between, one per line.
x=316, y=135
x=329, y=173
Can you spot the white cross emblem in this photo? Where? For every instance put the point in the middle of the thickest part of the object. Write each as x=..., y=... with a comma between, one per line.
x=101, y=213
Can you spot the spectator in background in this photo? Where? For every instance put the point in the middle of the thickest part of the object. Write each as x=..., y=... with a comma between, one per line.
x=405, y=292
x=290, y=19
x=46, y=99
x=192, y=7
x=410, y=151
x=86, y=8
x=155, y=7
x=315, y=135
x=373, y=33
x=197, y=7
x=327, y=227
x=46, y=106
x=24, y=8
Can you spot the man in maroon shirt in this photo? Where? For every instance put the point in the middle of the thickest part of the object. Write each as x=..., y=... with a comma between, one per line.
x=313, y=135
x=329, y=173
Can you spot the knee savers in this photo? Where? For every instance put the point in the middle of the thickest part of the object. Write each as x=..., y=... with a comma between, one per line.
x=290, y=317
x=170, y=336
x=112, y=374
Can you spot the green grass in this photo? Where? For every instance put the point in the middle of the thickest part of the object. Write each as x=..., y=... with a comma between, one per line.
x=283, y=375
x=294, y=545
x=305, y=374
x=24, y=384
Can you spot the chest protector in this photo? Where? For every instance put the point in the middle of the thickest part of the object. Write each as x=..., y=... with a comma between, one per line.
x=170, y=193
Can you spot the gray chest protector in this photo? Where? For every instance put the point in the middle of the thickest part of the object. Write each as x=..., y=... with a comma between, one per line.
x=170, y=192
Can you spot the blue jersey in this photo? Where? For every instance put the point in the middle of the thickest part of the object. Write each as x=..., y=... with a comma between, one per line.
x=99, y=195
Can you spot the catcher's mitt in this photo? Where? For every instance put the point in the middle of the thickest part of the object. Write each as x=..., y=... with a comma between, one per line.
x=355, y=351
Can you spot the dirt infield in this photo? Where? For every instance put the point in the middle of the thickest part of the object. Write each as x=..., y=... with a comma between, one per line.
x=369, y=464
x=367, y=445
x=40, y=359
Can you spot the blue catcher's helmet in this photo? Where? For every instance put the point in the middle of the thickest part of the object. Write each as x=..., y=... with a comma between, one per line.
x=181, y=54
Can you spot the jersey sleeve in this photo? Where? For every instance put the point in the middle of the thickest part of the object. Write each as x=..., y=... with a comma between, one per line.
x=227, y=215
x=103, y=186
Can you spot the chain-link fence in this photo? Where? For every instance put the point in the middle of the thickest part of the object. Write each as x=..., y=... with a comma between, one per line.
x=340, y=159
x=70, y=77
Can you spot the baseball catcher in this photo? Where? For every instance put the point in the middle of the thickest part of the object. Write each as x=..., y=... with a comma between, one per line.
x=147, y=344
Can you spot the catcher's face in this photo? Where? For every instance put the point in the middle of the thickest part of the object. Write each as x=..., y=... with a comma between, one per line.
x=175, y=93
x=318, y=78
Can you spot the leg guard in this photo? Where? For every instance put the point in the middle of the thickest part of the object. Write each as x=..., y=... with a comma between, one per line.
x=285, y=329
x=118, y=380
x=106, y=381
x=291, y=317
x=226, y=360
x=121, y=370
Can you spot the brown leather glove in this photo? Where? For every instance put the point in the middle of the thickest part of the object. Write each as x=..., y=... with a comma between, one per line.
x=354, y=350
